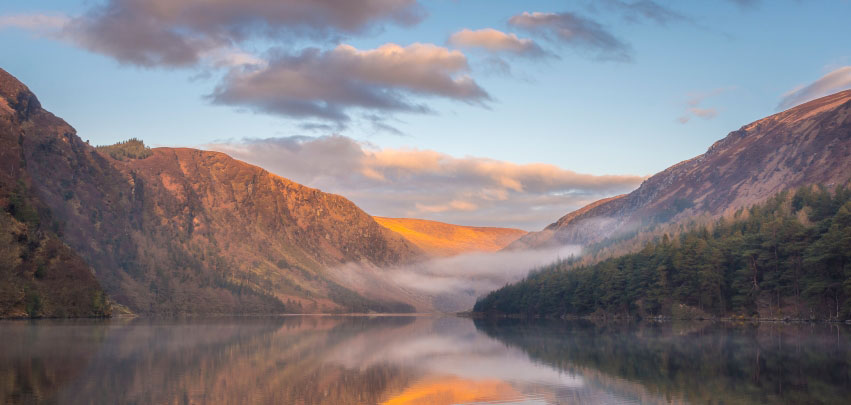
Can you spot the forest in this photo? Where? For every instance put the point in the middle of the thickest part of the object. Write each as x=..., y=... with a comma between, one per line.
x=132, y=148
x=787, y=258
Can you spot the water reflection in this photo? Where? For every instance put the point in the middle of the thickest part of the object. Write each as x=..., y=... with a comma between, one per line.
x=418, y=360
x=695, y=362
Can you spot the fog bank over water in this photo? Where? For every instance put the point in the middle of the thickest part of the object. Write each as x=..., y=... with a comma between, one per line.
x=449, y=284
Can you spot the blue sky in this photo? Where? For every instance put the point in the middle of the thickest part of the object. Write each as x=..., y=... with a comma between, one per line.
x=732, y=61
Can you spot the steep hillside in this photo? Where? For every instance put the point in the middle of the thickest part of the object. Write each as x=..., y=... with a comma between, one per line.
x=39, y=275
x=784, y=258
x=440, y=239
x=183, y=230
x=807, y=144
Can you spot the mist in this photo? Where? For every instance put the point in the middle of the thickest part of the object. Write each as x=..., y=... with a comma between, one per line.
x=449, y=284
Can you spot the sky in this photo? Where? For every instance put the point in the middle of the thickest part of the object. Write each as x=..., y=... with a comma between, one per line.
x=490, y=113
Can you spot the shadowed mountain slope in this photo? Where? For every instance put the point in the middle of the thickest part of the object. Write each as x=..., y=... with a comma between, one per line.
x=184, y=230
x=807, y=144
x=441, y=239
x=39, y=275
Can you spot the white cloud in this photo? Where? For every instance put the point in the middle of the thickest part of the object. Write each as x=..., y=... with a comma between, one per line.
x=835, y=81
x=429, y=184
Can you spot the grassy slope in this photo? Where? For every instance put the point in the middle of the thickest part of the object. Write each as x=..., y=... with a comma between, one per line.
x=440, y=239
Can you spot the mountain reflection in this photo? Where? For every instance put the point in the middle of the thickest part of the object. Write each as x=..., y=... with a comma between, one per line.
x=416, y=360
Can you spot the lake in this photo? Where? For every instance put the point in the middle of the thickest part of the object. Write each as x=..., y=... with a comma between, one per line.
x=420, y=360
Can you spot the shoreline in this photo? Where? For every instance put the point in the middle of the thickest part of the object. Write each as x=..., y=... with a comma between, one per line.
x=730, y=319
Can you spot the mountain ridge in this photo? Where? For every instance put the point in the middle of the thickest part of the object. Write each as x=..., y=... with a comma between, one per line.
x=441, y=239
x=746, y=167
x=191, y=231
x=40, y=276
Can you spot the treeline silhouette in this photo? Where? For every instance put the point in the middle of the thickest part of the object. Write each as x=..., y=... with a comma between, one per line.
x=133, y=148
x=788, y=258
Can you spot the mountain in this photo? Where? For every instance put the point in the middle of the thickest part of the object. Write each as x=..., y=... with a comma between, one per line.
x=171, y=230
x=807, y=144
x=785, y=258
x=442, y=240
x=39, y=275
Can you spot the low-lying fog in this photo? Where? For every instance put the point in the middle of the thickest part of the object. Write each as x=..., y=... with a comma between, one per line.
x=448, y=284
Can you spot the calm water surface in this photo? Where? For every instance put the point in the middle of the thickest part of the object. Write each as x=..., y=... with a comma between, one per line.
x=419, y=360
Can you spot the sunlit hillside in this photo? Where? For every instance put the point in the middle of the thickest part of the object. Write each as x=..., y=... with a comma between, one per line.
x=440, y=239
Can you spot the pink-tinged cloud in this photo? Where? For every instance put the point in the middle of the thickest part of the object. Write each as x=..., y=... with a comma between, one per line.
x=327, y=84
x=34, y=22
x=835, y=81
x=496, y=41
x=179, y=32
x=429, y=184
x=693, y=104
x=705, y=113
x=576, y=31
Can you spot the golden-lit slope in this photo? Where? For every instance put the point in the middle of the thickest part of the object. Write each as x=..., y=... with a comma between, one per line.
x=453, y=390
x=168, y=230
x=440, y=239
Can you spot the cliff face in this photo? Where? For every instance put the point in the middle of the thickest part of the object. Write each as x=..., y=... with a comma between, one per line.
x=184, y=230
x=441, y=240
x=39, y=275
x=807, y=144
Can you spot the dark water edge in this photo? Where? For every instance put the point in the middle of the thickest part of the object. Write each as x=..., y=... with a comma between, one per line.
x=660, y=318
x=432, y=359
x=696, y=361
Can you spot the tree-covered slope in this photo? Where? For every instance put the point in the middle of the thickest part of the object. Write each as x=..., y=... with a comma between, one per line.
x=789, y=257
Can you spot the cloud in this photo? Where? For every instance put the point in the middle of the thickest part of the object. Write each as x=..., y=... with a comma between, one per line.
x=34, y=22
x=496, y=41
x=451, y=284
x=705, y=113
x=429, y=184
x=694, y=102
x=438, y=344
x=455, y=205
x=577, y=31
x=326, y=84
x=836, y=80
x=645, y=10
x=177, y=33
x=244, y=42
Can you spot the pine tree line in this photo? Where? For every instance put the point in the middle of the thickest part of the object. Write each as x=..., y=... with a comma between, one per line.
x=788, y=258
x=133, y=148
